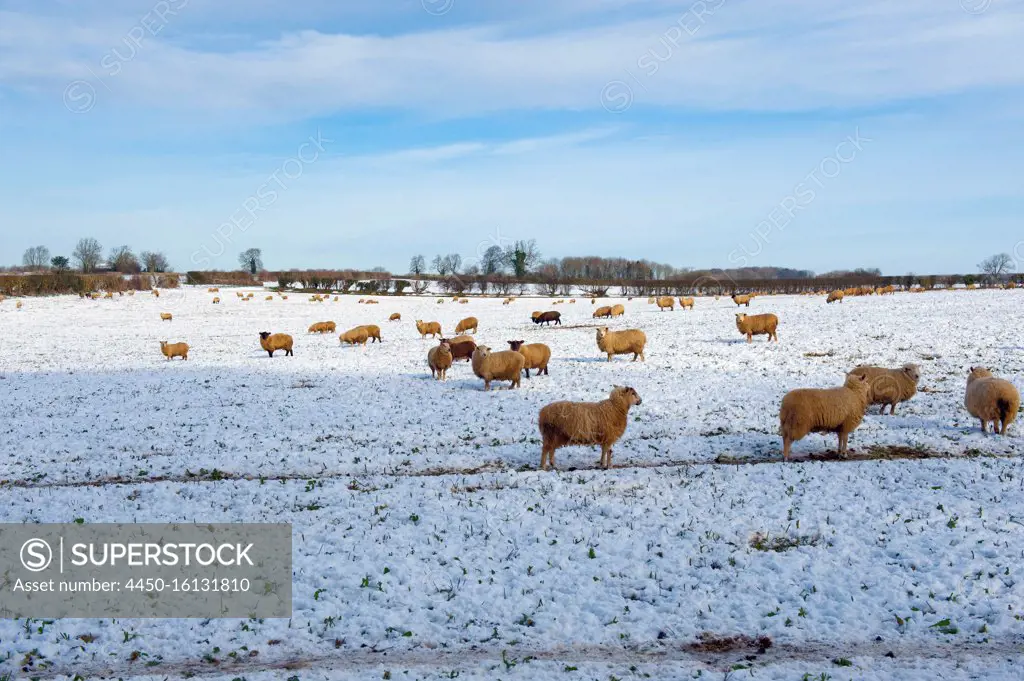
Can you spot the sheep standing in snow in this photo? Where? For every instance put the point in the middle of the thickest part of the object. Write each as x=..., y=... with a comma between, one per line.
x=439, y=359
x=164, y=316
x=890, y=386
x=622, y=343
x=498, y=366
x=742, y=299
x=537, y=356
x=667, y=303
x=373, y=331
x=618, y=310
x=467, y=325
x=462, y=347
x=172, y=350
x=586, y=423
x=835, y=296
x=395, y=317
x=356, y=336
x=829, y=410
x=991, y=399
x=603, y=311
x=432, y=329
x=274, y=342
x=686, y=303
x=751, y=325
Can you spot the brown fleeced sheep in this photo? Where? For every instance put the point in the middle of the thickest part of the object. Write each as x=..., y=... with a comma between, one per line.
x=547, y=317
x=666, y=302
x=572, y=301
x=463, y=301
x=462, y=347
x=269, y=298
x=466, y=325
x=323, y=327
x=686, y=303
x=18, y=305
x=991, y=399
x=506, y=301
x=361, y=301
x=212, y=290
x=537, y=356
x=372, y=302
x=890, y=386
x=274, y=342
x=586, y=423
x=108, y=294
x=166, y=316
x=622, y=343
x=356, y=336
x=618, y=310
x=156, y=293
x=439, y=359
x=828, y=410
x=741, y=300
x=751, y=325
x=373, y=331
x=535, y=314
x=239, y=294
x=835, y=296
x=216, y=301
x=504, y=365
x=172, y=350
x=603, y=311
x=433, y=329
x=395, y=317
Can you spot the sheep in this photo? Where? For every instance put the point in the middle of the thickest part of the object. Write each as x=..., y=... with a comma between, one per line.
x=166, y=316
x=603, y=311
x=429, y=328
x=666, y=302
x=504, y=365
x=991, y=399
x=269, y=298
x=572, y=301
x=686, y=303
x=537, y=356
x=239, y=294
x=108, y=294
x=361, y=301
x=395, y=317
x=829, y=410
x=336, y=298
x=835, y=296
x=546, y=317
x=440, y=301
x=618, y=310
x=439, y=359
x=131, y=293
x=463, y=301
x=593, y=301
x=757, y=325
x=284, y=297
x=741, y=299
x=373, y=331
x=372, y=302
x=19, y=305
x=462, y=347
x=275, y=342
x=213, y=290
x=535, y=314
x=466, y=325
x=355, y=336
x=586, y=423
x=172, y=350
x=156, y=293
x=322, y=327
x=622, y=343
x=506, y=301
x=216, y=300
x=890, y=386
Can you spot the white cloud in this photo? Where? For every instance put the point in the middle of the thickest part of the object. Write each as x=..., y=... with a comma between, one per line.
x=795, y=55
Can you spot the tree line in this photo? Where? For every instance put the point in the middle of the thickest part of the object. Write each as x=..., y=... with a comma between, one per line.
x=87, y=258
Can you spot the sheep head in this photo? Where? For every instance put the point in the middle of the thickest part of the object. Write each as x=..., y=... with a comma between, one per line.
x=626, y=394
x=515, y=344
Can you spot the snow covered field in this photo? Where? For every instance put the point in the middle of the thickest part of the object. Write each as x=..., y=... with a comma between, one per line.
x=426, y=542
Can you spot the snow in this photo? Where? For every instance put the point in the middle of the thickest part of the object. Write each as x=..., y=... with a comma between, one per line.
x=425, y=540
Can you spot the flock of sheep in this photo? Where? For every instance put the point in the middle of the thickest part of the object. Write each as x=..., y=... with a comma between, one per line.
x=837, y=410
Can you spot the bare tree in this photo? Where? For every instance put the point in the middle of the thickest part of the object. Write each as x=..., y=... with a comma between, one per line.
x=123, y=260
x=492, y=261
x=36, y=258
x=251, y=260
x=155, y=262
x=87, y=254
x=418, y=265
x=996, y=266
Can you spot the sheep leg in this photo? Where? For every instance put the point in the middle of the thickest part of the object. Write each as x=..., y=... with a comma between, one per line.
x=843, y=438
x=892, y=409
x=786, y=445
x=606, y=457
x=487, y=385
x=527, y=370
x=270, y=352
x=750, y=338
x=984, y=426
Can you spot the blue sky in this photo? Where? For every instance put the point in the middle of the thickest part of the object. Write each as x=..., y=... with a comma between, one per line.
x=354, y=134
